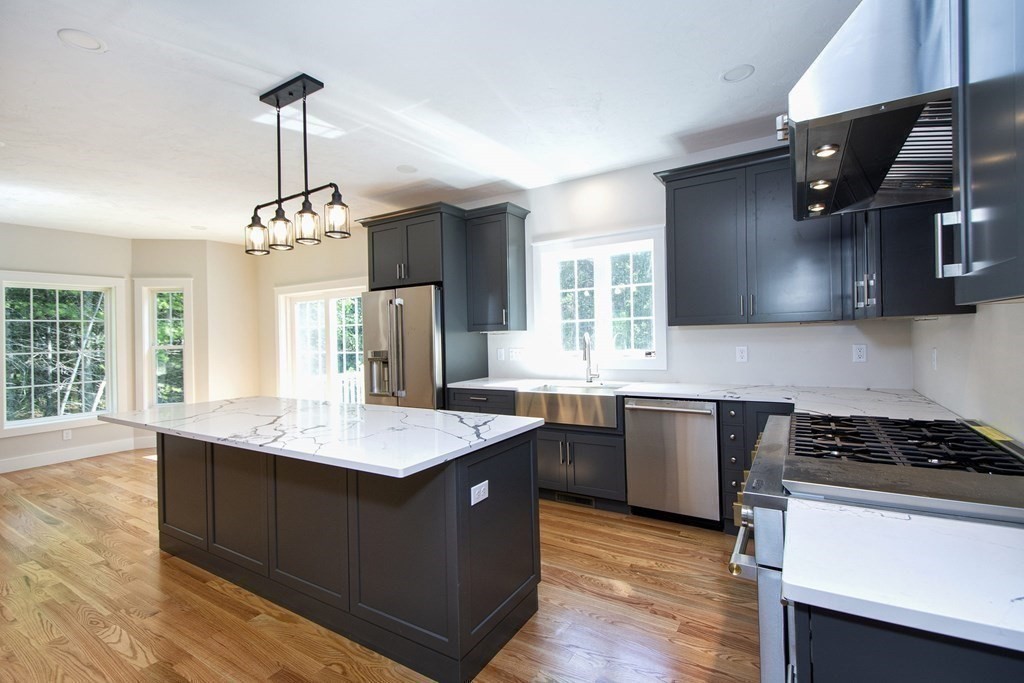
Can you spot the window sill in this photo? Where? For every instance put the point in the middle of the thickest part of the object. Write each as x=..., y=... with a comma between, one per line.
x=56, y=426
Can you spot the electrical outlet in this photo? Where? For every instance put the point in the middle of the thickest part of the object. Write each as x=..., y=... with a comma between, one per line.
x=500, y=353
x=935, y=358
x=478, y=493
x=515, y=354
x=66, y=435
x=860, y=353
x=741, y=354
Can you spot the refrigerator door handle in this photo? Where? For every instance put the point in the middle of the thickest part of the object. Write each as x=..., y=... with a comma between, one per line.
x=398, y=345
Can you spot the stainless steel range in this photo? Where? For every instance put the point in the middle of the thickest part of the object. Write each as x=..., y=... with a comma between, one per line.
x=944, y=467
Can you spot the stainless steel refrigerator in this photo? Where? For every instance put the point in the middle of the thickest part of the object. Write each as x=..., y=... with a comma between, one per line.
x=402, y=347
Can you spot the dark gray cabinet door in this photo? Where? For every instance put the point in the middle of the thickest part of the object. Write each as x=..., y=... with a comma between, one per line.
x=238, y=507
x=596, y=465
x=309, y=529
x=993, y=140
x=551, y=459
x=387, y=245
x=794, y=268
x=182, y=473
x=487, y=273
x=705, y=239
x=423, y=253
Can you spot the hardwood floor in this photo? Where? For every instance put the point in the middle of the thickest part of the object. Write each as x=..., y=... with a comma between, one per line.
x=86, y=595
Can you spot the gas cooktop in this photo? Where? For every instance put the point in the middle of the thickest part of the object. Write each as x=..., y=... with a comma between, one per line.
x=929, y=444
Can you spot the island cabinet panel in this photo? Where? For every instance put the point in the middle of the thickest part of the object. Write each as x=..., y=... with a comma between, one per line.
x=309, y=529
x=403, y=550
x=238, y=507
x=181, y=470
x=497, y=532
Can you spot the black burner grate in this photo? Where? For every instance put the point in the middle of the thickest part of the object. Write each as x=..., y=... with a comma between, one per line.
x=930, y=444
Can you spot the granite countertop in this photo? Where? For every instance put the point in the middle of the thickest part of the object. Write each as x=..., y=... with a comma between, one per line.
x=387, y=440
x=956, y=577
x=894, y=403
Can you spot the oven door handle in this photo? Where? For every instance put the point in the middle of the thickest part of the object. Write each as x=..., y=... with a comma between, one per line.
x=742, y=565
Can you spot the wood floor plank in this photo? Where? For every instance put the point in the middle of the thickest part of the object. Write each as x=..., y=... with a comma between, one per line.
x=86, y=595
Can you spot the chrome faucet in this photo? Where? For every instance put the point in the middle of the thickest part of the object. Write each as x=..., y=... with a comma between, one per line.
x=588, y=353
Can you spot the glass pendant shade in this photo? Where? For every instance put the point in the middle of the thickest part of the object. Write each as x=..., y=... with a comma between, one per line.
x=337, y=218
x=281, y=236
x=307, y=224
x=256, y=238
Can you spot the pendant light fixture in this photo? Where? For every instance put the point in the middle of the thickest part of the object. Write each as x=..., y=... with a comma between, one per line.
x=282, y=234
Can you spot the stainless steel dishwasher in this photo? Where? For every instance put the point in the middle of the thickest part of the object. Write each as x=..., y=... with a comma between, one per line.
x=672, y=456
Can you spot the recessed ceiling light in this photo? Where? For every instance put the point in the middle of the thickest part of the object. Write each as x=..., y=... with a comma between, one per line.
x=72, y=37
x=738, y=73
x=198, y=227
x=816, y=208
x=406, y=168
x=825, y=151
x=820, y=185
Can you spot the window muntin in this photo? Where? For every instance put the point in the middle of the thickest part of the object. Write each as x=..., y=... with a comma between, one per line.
x=168, y=348
x=57, y=351
x=576, y=295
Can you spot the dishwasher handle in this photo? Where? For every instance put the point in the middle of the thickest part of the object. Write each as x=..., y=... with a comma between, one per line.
x=655, y=409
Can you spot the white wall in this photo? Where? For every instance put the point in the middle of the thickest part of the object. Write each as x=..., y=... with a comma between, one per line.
x=233, y=346
x=808, y=355
x=979, y=371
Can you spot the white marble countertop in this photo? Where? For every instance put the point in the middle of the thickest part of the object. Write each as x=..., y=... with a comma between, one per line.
x=951, y=576
x=894, y=403
x=385, y=440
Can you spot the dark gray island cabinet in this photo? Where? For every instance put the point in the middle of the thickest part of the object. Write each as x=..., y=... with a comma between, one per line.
x=406, y=564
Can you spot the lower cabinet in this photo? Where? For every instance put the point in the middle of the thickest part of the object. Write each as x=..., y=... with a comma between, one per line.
x=183, y=493
x=580, y=462
x=740, y=423
x=841, y=648
x=238, y=507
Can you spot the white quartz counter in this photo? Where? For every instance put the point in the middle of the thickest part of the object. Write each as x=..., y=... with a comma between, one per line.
x=894, y=403
x=951, y=576
x=386, y=440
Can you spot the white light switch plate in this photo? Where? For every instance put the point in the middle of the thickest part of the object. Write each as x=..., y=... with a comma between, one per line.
x=500, y=353
x=478, y=493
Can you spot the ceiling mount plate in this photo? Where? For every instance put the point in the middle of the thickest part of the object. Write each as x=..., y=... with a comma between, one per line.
x=291, y=91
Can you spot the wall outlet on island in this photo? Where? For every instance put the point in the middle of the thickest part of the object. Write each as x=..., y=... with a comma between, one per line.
x=741, y=354
x=479, y=492
x=860, y=353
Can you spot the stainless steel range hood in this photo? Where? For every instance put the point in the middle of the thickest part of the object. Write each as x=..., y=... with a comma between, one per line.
x=881, y=94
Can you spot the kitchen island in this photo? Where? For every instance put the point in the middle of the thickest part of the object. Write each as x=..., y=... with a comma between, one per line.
x=413, y=532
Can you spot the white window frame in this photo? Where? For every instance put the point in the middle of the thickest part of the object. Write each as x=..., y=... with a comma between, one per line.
x=283, y=324
x=145, y=370
x=117, y=347
x=548, y=318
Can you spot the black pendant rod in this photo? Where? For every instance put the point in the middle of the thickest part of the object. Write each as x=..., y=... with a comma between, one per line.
x=296, y=196
x=279, y=200
x=305, y=154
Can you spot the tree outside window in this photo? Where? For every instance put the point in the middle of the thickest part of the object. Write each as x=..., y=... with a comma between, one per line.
x=168, y=336
x=56, y=352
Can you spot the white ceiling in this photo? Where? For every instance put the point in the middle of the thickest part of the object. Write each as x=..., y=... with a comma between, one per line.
x=165, y=130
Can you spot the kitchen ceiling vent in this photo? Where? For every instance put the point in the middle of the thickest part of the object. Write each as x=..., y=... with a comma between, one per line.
x=282, y=234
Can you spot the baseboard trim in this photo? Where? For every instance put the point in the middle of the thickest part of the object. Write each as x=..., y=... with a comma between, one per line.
x=24, y=462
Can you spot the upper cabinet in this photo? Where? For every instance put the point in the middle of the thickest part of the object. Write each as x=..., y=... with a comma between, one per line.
x=890, y=263
x=735, y=253
x=410, y=247
x=989, y=243
x=496, y=267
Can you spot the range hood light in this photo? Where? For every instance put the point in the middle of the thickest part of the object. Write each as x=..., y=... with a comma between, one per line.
x=821, y=185
x=816, y=208
x=825, y=151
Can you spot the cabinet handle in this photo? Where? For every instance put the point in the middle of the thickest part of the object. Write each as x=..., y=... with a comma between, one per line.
x=869, y=282
x=398, y=271
x=732, y=460
x=504, y=316
x=732, y=437
x=943, y=269
x=561, y=453
x=568, y=454
x=752, y=302
x=733, y=483
x=742, y=298
x=857, y=303
x=732, y=413
x=477, y=398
